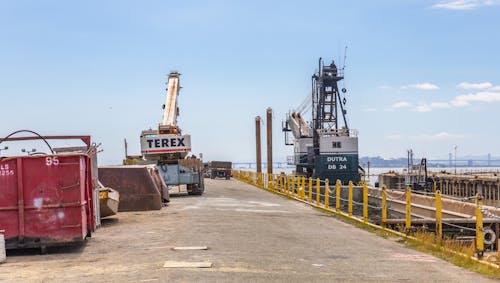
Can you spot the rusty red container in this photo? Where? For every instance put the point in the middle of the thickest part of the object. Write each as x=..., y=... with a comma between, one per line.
x=46, y=200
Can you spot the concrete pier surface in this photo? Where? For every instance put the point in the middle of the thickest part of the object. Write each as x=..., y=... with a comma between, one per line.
x=251, y=236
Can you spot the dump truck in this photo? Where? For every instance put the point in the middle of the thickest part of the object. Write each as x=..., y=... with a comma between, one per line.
x=220, y=169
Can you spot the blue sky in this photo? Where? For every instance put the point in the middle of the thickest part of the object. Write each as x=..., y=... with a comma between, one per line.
x=420, y=74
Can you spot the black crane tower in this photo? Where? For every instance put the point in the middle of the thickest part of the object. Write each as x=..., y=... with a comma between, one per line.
x=326, y=101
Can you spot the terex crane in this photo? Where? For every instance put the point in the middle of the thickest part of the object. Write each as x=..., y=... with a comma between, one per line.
x=169, y=148
x=326, y=148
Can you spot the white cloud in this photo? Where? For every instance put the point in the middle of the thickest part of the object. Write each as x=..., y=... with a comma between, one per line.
x=440, y=105
x=438, y=136
x=466, y=85
x=428, y=107
x=422, y=86
x=400, y=104
x=464, y=4
x=466, y=99
x=423, y=108
x=488, y=93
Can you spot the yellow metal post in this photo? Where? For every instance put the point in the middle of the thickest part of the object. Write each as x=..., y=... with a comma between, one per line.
x=479, y=226
x=365, y=203
x=318, y=184
x=349, y=203
x=384, y=206
x=285, y=183
x=303, y=196
x=327, y=193
x=408, y=209
x=439, y=218
x=310, y=186
x=293, y=185
x=337, y=195
x=435, y=186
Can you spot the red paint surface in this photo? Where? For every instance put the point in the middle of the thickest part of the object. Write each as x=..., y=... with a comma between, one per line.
x=43, y=202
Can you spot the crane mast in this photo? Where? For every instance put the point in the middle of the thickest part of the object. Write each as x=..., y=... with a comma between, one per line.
x=170, y=108
x=328, y=148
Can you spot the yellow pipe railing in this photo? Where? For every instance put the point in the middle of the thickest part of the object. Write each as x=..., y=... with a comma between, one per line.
x=295, y=187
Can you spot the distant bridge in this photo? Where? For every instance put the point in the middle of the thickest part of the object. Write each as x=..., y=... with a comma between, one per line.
x=388, y=163
x=251, y=165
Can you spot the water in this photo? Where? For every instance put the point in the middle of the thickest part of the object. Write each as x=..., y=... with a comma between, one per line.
x=375, y=172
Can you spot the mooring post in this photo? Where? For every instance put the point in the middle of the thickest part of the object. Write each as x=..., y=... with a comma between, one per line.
x=258, y=148
x=337, y=195
x=349, y=202
x=365, y=203
x=384, y=206
x=439, y=218
x=408, y=209
x=269, y=114
x=327, y=193
x=479, y=226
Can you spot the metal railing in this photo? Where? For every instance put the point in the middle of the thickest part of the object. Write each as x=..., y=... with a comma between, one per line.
x=319, y=193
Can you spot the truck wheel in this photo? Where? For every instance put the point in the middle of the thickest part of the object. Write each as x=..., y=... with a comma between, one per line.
x=194, y=190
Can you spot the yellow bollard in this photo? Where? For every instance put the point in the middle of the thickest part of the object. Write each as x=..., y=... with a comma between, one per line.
x=408, y=209
x=435, y=186
x=365, y=203
x=287, y=184
x=337, y=195
x=384, y=206
x=327, y=193
x=303, y=191
x=309, y=187
x=282, y=180
x=318, y=184
x=439, y=218
x=349, y=202
x=479, y=226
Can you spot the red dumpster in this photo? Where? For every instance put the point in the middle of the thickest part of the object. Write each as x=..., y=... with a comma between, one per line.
x=46, y=200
